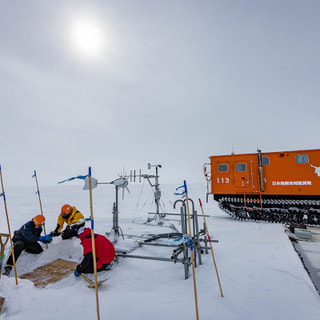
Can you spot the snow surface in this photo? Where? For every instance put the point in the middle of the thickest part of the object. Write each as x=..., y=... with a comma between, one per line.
x=260, y=272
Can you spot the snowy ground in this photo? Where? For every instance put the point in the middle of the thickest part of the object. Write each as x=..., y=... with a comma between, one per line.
x=310, y=254
x=260, y=272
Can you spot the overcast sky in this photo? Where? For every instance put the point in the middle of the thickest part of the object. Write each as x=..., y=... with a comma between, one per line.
x=117, y=84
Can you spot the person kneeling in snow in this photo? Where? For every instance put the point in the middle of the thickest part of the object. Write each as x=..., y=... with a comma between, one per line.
x=26, y=238
x=68, y=215
x=105, y=252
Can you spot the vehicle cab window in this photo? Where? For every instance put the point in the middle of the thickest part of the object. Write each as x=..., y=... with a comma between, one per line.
x=302, y=158
x=223, y=168
x=241, y=167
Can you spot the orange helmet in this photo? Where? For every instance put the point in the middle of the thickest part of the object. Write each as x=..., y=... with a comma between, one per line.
x=39, y=219
x=66, y=210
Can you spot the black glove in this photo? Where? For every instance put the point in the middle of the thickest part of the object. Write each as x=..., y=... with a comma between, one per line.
x=54, y=234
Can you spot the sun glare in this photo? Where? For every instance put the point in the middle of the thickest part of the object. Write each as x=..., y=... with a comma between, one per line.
x=87, y=38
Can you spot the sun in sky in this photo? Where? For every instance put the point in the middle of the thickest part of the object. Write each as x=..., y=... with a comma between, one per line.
x=87, y=38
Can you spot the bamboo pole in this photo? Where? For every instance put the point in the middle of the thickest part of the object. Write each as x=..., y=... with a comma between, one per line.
x=214, y=261
x=191, y=249
x=93, y=245
x=9, y=230
x=38, y=192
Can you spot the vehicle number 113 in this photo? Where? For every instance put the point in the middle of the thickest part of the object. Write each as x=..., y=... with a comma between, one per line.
x=223, y=180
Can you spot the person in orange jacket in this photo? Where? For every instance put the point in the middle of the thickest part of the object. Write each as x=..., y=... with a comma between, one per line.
x=105, y=252
x=72, y=217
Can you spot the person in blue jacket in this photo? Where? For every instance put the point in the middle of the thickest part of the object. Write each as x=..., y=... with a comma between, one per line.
x=26, y=238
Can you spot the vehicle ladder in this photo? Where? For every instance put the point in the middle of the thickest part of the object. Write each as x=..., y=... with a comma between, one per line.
x=252, y=201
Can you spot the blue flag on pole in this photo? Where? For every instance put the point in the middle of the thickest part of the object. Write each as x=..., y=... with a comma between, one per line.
x=78, y=177
x=184, y=191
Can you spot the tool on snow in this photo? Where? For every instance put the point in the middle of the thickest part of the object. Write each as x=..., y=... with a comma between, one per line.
x=92, y=284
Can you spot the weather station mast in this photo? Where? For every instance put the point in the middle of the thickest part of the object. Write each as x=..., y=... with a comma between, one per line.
x=157, y=191
x=153, y=184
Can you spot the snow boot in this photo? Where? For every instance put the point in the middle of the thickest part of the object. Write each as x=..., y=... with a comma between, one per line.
x=7, y=270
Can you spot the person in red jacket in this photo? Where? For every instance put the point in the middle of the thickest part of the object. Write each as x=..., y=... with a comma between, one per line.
x=105, y=252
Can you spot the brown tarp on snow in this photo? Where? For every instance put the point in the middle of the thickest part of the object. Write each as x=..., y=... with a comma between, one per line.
x=50, y=273
x=1, y=303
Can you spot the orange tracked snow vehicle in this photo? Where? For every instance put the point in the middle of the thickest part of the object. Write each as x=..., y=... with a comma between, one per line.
x=274, y=186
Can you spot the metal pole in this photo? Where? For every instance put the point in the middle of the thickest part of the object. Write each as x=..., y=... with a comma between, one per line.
x=184, y=230
x=197, y=237
x=115, y=216
x=142, y=243
x=191, y=249
x=149, y=258
x=157, y=199
x=194, y=233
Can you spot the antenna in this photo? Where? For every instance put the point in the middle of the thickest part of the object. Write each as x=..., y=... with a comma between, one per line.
x=155, y=185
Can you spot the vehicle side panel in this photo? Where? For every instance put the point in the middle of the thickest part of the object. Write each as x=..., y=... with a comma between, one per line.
x=281, y=176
